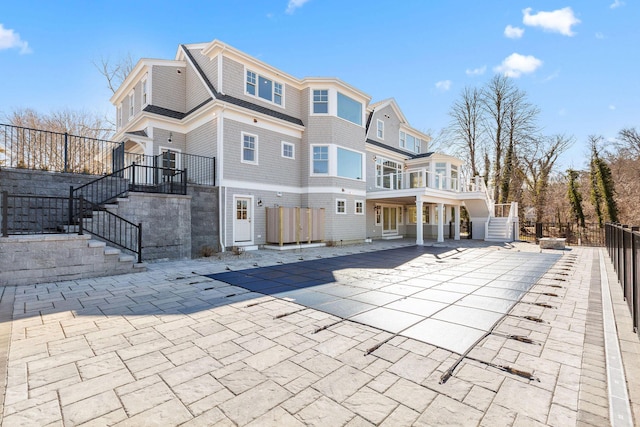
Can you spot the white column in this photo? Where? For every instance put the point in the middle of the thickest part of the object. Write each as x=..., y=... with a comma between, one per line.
x=440, y=222
x=419, y=224
x=456, y=221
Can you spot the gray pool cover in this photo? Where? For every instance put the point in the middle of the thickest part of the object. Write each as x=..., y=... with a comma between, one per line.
x=436, y=295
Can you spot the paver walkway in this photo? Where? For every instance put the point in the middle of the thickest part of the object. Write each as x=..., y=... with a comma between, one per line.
x=172, y=347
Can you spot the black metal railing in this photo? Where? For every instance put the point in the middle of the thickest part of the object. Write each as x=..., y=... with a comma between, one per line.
x=30, y=214
x=202, y=170
x=134, y=177
x=623, y=247
x=589, y=235
x=26, y=148
x=100, y=222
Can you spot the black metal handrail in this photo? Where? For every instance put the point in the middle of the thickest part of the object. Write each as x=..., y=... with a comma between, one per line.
x=623, y=247
x=100, y=222
x=592, y=234
x=202, y=169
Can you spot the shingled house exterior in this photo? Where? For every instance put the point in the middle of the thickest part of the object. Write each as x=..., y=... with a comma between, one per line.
x=282, y=141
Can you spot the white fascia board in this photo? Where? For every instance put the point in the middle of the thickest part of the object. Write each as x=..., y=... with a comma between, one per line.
x=325, y=82
x=216, y=47
x=195, y=46
x=446, y=158
x=260, y=186
x=143, y=66
x=376, y=107
x=387, y=154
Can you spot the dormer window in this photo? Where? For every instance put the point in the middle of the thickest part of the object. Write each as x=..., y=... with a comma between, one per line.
x=263, y=87
x=410, y=142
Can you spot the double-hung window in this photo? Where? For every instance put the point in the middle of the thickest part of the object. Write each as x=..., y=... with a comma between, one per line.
x=131, y=103
x=119, y=116
x=380, y=132
x=320, y=101
x=144, y=93
x=359, y=208
x=341, y=206
x=263, y=87
x=249, y=148
x=321, y=159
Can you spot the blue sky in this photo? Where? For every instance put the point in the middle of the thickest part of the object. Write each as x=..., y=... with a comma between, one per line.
x=577, y=60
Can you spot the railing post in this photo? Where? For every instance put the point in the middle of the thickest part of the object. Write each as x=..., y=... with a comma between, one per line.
x=133, y=175
x=184, y=183
x=81, y=217
x=5, y=214
x=66, y=152
x=139, y=242
x=70, y=216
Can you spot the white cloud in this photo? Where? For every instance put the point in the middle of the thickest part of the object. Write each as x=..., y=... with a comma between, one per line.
x=10, y=39
x=550, y=77
x=476, y=71
x=562, y=112
x=516, y=65
x=612, y=107
x=443, y=85
x=294, y=4
x=616, y=4
x=599, y=35
x=513, y=32
x=557, y=21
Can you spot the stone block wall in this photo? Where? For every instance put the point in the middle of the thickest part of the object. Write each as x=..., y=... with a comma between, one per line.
x=56, y=257
x=204, y=219
x=166, y=223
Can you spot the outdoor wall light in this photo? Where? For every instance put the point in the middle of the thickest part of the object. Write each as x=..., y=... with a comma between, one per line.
x=375, y=158
x=259, y=202
x=170, y=137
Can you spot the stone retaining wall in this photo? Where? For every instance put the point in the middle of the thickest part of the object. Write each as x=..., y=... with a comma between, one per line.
x=56, y=257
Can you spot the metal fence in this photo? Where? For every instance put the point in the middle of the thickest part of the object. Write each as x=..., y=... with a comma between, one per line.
x=592, y=234
x=623, y=247
x=28, y=214
x=25, y=148
x=37, y=149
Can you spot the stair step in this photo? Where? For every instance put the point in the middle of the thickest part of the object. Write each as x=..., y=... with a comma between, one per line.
x=127, y=258
x=111, y=251
x=110, y=206
x=96, y=244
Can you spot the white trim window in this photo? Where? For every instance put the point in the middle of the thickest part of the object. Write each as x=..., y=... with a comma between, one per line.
x=410, y=142
x=143, y=89
x=349, y=163
x=249, y=148
x=264, y=88
x=320, y=155
x=119, y=116
x=378, y=212
x=320, y=101
x=132, y=98
x=359, y=207
x=341, y=206
x=288, y=150
x=380, y=129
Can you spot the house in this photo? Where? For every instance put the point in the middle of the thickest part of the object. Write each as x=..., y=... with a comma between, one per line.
x=283, y=141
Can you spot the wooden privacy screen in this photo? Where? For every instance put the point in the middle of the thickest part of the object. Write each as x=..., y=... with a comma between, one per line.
x=295, y=225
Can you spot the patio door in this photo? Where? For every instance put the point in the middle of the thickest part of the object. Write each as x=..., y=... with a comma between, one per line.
x=242, y=220
x=389, y=220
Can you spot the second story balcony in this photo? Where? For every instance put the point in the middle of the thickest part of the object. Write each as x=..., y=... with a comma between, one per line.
x=426, y=179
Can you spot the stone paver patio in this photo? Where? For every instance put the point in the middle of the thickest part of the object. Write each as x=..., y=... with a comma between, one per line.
x=172, y=347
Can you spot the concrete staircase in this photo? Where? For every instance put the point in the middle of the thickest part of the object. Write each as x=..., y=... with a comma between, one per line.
x=497, y=230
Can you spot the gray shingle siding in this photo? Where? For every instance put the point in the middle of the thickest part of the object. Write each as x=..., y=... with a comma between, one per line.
x=169, y=88
x=203, y=141
x=196, y=90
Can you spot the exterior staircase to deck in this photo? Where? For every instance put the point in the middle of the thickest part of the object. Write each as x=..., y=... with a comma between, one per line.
x=497, y=230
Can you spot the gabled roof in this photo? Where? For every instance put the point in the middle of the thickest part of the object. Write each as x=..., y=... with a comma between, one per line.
x=394, y=105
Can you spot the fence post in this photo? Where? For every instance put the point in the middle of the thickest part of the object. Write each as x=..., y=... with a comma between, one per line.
x=470, y=229
x=5, y=214
x=66, y=152
x=133, y=175
x=81, y=216
x=538, y=231
x=139, y=242
x=70, y=219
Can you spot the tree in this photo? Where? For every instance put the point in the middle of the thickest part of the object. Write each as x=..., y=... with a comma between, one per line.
x=495, y=100
x=574, y=196
x=629, y=142
x=602, y=184
x=115, y=73
x=538, y=165
x=465, y=126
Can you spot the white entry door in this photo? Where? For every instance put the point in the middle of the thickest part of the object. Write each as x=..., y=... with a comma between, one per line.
x=242, y=223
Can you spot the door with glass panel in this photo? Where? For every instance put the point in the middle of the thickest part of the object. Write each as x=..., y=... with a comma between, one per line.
x=242, y=221
x=389, y=220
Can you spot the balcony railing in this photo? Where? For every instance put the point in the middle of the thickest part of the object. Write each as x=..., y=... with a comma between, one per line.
x=423, y=178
